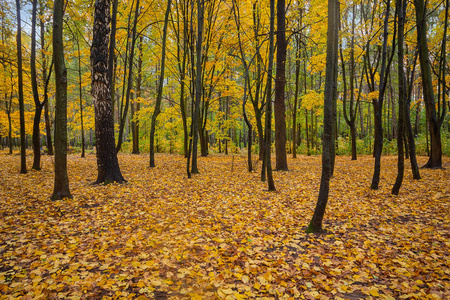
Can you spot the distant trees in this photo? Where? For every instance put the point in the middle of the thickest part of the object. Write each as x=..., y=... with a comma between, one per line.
x=203, y=76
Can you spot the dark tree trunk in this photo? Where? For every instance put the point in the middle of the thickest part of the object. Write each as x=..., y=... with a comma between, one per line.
x=137, y=104
x=111, y=54
x=330, y=96
x=198, y=86
x=61, y=187
x=294, y=112
x=160, y=87
x=435, y=160
x=23, y=158
x=80, y=90
x=408, y=126
x=246, y=78
x=37, y=104
x=280, y=82
x=378, y=104
x=402, y=95
x=107, y=162
x=130, y=80
x=48, y=131
x=268, y=126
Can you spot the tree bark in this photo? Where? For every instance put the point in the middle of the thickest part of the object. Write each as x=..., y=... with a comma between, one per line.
x=280, y=82
x=130, y=80
x=37, y=104
x=402, y=95
x=198, y=86
x=61, y=186
x=378, y=104
x=268, y=122
x=330, y=96
x=435, y=159
x=107, y=162
x=23, y=158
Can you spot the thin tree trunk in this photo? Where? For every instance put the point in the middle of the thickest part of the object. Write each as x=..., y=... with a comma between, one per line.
x=198, y=85
x=378, y=104
x=328, y=142
x=130, y=80
x=160, y=87
x=402, y=93
x=268, y=127
x=23, y=158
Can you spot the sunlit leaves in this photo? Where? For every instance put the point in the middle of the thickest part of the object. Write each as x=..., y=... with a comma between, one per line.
x=221, y=235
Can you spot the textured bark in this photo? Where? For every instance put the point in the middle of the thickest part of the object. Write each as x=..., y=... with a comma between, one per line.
x=402, y=95
x=435, y=160
x=61, y=186
x=107, y=162
x=280, y=82
x=23, y=159
x=330, y=96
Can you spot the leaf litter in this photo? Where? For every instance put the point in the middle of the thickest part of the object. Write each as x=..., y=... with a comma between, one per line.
x=221, y=234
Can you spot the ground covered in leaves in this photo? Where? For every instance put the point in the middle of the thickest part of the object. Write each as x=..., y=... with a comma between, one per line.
x=221, y=234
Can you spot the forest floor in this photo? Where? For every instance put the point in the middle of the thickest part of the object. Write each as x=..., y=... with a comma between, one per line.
x=221, y=234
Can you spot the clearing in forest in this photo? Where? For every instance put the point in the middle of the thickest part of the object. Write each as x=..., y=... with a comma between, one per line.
x=221, y=234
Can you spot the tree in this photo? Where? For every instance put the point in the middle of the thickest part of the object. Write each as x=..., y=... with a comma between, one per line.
x=378, y=104
x=160, y=86
x=130, y=78
x=330, y=96
x=402, y=95
x=61, y=187
x=23, y=158
x=37, y=103
x=268, y=126
x=198, y=85
x=280, y=82
x=107, y=162
x=434, y=121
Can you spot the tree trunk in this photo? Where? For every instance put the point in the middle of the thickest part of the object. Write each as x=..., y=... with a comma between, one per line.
x=198, y=86
x=23, y=158
x=160, y=87
x=330, y=96
x=378, y=104
x=268, y=127
x=130, y=80
x=37, y=104
x=107, y=162
x=435, y=159
x=61, y=186
x=402, y=95
x=137, y=104
x=280, y=82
